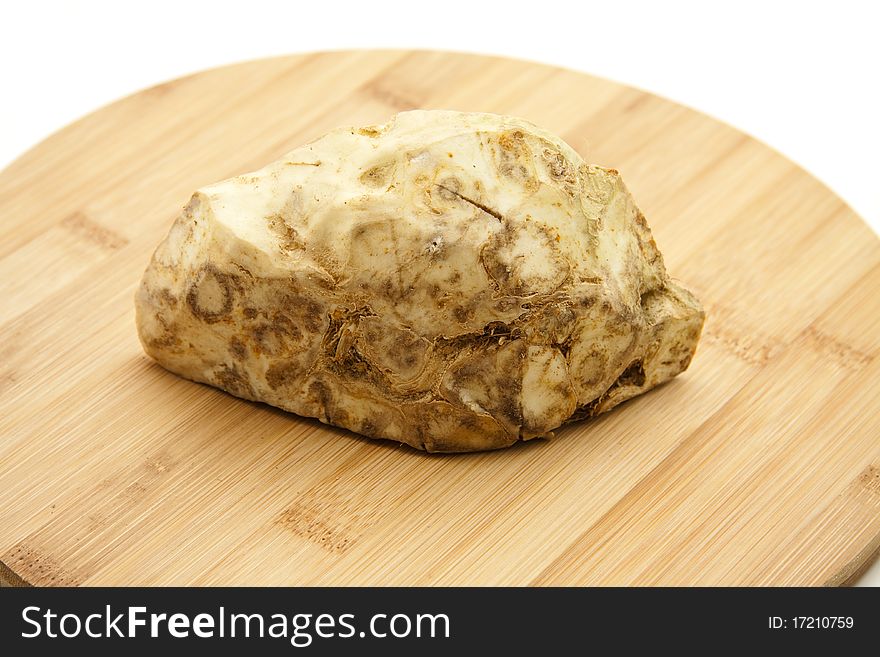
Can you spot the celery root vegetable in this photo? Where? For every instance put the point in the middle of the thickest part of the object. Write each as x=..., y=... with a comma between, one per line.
x=450, y=280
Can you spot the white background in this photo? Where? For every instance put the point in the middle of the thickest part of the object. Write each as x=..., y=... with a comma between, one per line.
x=804, y=77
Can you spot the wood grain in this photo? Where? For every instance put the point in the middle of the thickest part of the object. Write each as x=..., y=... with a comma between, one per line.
x=757, y=466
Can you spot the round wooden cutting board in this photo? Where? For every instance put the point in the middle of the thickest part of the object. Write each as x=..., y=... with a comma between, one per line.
x=759, y=465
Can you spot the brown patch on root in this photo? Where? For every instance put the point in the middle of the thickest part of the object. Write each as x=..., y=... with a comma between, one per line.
x=564, y=347
x=489, y=380
x=231, y=379
x=369, y=131
x=277, y=335
x=341, y=355
x=283, y=373
x=237, y=348
x=288, y=237
x=308, y=311
x=210, y=297
x=494, y=333
x=584, y=411
x=509, y=271
x=327, y=402
x=633, y=375
x=559, y=167
x=515, y=160
x=377, y=176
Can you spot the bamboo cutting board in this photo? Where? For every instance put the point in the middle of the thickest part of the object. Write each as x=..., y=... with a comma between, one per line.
x=759, y=465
